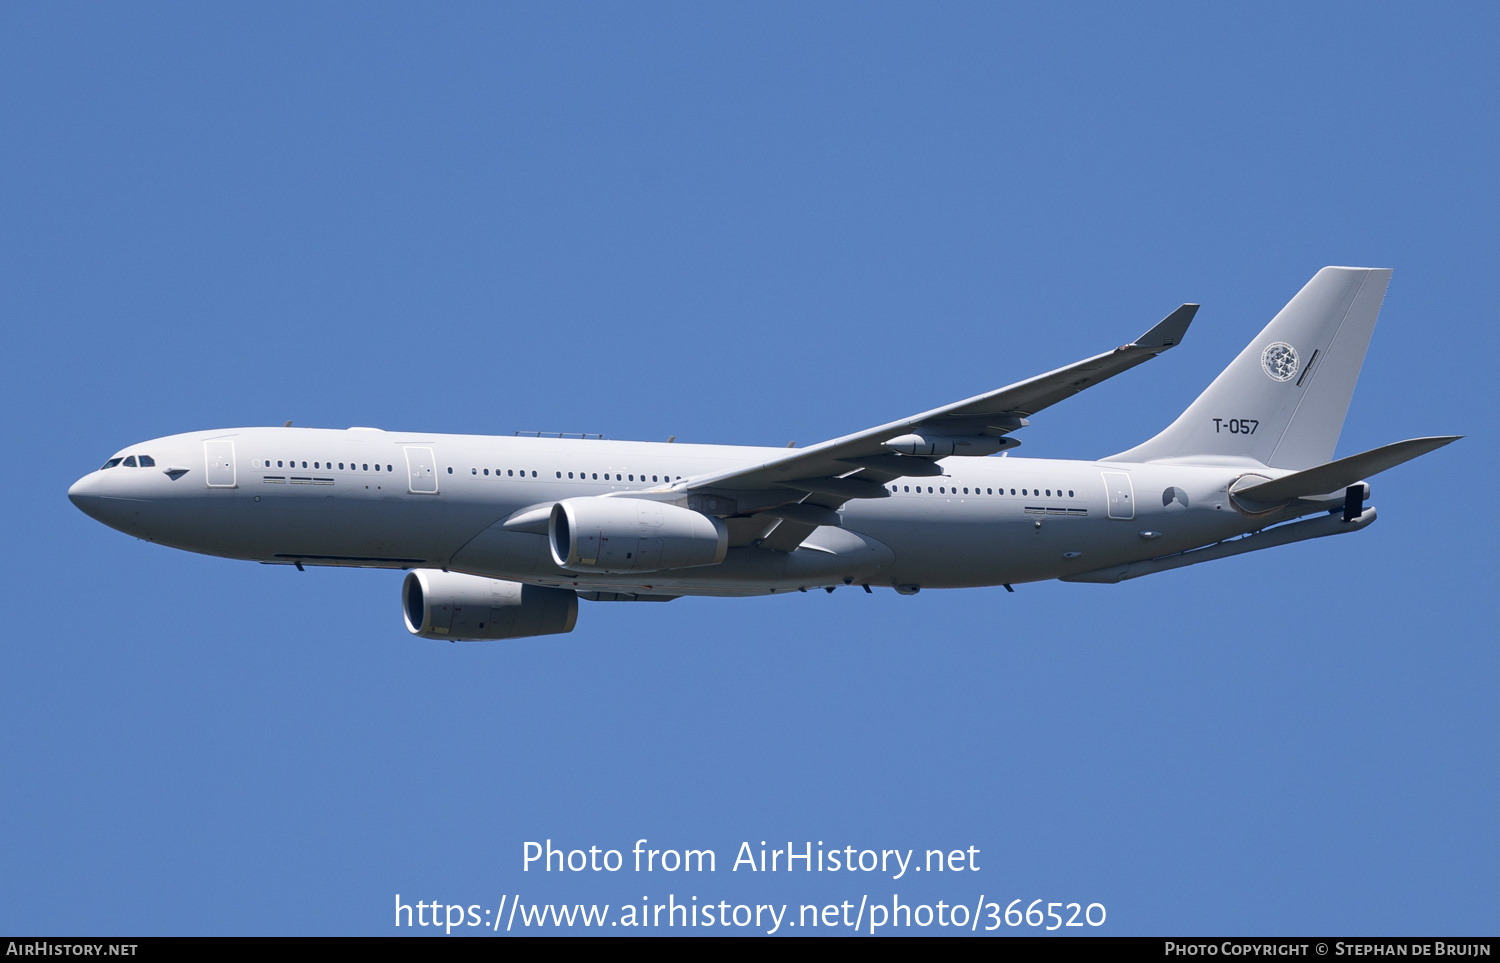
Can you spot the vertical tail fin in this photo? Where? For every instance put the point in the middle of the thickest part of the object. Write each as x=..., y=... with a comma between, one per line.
x=1282, y=401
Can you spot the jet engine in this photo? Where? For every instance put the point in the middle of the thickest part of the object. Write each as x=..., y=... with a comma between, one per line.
x=468, y=608
x=632, y=535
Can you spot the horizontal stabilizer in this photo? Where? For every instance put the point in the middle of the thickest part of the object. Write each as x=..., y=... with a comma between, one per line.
x=1344, y=472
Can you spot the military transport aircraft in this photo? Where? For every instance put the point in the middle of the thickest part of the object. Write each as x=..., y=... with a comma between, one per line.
x=503, y=535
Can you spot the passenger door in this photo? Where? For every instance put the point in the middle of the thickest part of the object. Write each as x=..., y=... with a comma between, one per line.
x=421, y=471
x=218, y=460
x=1118, y=490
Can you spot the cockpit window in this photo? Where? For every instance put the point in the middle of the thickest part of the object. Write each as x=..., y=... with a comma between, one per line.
x=130, y=461
x=148, y=462
x=111, y=463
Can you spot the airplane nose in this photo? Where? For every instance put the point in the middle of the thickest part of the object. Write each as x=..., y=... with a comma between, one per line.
x=84, y=493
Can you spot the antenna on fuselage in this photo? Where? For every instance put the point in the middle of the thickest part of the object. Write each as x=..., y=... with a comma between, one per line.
x=287, y=425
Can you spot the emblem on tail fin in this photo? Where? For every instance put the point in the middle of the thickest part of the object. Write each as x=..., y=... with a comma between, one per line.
x=1279, y=361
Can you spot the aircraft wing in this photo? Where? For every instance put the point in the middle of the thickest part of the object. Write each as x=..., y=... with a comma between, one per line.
x=859, y=465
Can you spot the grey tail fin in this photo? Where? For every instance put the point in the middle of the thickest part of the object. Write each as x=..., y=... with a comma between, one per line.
x=1282, y=401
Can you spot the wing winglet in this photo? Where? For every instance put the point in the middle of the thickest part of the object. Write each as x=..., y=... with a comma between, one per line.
x=1169, y=330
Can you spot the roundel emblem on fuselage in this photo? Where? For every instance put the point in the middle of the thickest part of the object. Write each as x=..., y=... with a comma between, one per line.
x=1279, y=361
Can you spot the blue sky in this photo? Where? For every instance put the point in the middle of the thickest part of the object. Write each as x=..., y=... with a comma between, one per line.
x=739, y=224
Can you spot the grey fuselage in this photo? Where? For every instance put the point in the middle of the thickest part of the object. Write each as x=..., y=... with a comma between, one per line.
x=402, y=500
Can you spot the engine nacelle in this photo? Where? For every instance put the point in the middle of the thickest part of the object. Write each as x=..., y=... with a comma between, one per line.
x=632, y=535
x=468, y=608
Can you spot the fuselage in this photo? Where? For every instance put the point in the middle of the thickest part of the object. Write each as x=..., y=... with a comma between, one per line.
x=383, y=499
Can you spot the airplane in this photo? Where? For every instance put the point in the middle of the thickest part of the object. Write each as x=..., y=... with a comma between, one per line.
x=502, y=535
